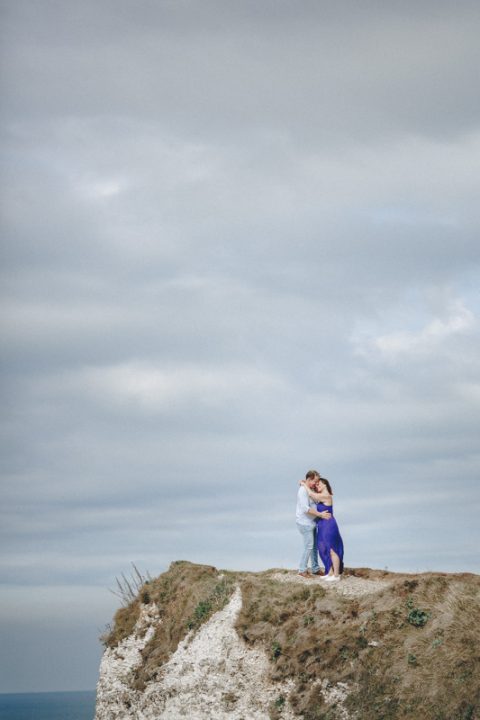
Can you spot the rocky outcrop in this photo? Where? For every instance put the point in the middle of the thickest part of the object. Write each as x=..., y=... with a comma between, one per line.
x=213, y=674
x=277, y=646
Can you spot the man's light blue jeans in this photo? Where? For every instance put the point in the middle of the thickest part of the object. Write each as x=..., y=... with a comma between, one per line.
x=309, y=537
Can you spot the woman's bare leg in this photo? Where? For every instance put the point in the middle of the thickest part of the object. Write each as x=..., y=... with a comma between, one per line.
x=335, y=562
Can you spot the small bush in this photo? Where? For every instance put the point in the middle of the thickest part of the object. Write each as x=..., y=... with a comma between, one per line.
x=199, y=614
x=468, y=712
x=361, y=641
x=206, y=607
x=418, y=617
x=276, y=650
x=276, y=708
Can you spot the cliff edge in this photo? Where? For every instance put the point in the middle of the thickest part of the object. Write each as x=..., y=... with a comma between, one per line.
x=204, y=644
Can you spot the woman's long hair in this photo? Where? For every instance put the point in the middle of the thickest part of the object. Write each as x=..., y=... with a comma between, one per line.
x=327, y=484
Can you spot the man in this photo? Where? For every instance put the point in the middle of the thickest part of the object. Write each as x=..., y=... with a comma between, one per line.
x=306, y=524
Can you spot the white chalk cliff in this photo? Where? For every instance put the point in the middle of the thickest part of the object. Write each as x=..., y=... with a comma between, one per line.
x=212, y=675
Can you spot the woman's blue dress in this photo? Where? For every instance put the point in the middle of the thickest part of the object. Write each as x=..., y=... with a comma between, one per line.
x=329, y=538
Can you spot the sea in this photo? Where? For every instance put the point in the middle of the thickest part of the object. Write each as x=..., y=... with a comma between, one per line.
x=48, y=706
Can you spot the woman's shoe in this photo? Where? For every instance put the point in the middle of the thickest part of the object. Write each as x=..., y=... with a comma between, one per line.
x=332, y=578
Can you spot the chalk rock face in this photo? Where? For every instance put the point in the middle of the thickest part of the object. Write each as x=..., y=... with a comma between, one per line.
x=212, y=675
x=115, y=695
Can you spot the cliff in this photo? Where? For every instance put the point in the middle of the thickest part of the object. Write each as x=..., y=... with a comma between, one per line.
x=204, y=644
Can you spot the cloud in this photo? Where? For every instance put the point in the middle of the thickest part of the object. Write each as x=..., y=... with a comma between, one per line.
x=438, y=333
x=240, y=240
x=154, y=388
x=314, y=72
x=100, y=189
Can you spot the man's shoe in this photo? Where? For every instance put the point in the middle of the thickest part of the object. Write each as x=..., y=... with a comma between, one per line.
x=317, y=572
x=305, y=575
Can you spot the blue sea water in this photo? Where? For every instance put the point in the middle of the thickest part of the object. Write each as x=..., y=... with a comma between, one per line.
x=48, y=706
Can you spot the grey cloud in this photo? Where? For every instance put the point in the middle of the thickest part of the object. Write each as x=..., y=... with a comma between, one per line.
x=212, y=68
x=240, y=240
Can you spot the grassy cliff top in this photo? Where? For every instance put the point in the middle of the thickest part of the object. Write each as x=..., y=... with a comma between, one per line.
x=407, y=645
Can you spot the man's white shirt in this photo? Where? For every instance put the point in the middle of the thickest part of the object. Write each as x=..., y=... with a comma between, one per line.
x=304, y=503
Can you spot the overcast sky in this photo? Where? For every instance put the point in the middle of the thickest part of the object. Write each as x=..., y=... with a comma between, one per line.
x=240, y=240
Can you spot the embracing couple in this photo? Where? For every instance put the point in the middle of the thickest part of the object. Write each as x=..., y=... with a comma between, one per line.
x=318, y=528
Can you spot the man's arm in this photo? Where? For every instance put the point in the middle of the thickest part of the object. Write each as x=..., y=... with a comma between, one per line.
x=308, y=510
x=324, y=515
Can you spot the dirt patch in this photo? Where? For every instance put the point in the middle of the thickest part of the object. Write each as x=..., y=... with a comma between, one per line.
x=349, y=585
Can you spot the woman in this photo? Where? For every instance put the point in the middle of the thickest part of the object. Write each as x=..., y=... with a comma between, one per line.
x=329, y=540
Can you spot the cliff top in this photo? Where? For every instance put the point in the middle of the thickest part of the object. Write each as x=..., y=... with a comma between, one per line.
x=405, y=645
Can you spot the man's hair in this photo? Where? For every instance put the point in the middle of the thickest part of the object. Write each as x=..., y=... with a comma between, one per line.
x=312, y=474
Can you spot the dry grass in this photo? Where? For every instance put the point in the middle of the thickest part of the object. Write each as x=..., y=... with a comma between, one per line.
x=123, y=624
x=410, y=651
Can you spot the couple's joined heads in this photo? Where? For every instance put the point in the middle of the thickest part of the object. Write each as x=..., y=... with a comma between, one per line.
x=317, y=483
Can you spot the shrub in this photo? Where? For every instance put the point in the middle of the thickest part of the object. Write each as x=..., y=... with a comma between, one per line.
x=418, y=617
x=200, y=613
x=415, y=616
x=215, y=601
x=276, y=650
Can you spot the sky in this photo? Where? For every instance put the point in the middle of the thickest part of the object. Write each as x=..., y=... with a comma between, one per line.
x=240, y=240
